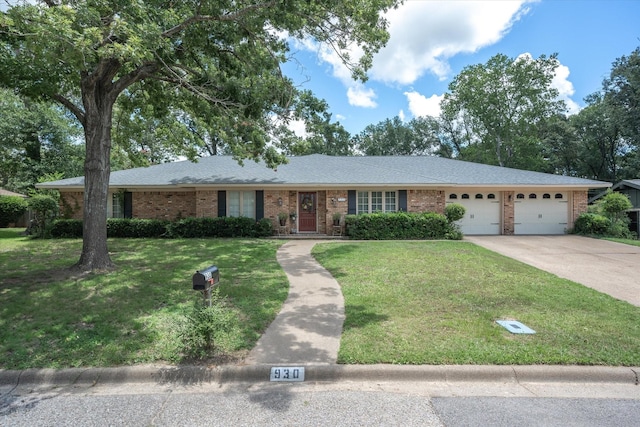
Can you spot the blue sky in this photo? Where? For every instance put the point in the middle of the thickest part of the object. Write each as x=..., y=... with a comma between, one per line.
x=432, y=41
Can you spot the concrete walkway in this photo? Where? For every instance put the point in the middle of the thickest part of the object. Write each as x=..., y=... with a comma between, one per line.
x=609, y=267
x=308, y=328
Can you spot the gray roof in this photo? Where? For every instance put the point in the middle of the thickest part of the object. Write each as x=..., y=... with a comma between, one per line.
x=329, y=171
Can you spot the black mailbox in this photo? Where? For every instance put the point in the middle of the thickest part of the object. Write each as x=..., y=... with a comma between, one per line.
x=204, y=279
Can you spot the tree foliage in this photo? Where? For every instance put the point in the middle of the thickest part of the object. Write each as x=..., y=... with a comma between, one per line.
x=36, y=138
x=210, y=62
x=393, y=137
x=492, y=110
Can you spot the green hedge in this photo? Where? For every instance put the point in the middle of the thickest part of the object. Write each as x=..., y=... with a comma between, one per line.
x=590, y=223
x=187, y=227
x=401, y=225
x=11, y=207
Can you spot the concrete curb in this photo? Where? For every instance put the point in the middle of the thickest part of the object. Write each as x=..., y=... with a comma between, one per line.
x=193, y=375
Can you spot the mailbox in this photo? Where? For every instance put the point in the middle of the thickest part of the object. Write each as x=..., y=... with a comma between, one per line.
x=204, y=279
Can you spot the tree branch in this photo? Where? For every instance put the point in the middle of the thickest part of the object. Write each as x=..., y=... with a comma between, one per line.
x=227, y=17
x=70, y=106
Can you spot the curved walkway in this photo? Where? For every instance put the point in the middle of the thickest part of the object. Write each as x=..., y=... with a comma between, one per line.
x=308, y=328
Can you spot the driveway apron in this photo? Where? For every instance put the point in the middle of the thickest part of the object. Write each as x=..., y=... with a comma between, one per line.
x=608, y=267
x=308, y=328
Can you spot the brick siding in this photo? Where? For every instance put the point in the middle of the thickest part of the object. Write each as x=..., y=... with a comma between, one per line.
x=426, y=201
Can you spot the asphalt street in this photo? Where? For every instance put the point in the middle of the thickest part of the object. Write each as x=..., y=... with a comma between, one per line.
x=343, y=403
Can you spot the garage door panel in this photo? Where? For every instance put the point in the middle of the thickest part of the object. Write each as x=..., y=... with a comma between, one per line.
x=541, y=215
x=482, y=216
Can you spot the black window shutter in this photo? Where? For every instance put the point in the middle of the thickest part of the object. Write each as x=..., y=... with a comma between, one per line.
x=222, y=203
x=128, y=204
x=402, y=200
x=259, y=205
x=351, y=200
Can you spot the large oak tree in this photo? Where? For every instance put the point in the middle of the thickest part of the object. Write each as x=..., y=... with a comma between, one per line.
x=218, y=61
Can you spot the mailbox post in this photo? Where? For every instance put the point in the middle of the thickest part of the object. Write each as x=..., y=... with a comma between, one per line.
x=204, y=280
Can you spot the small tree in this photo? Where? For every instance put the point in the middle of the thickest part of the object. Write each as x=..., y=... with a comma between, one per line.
x=45, y=209
x=11, y=207
x=615, y=204
x=454, y=212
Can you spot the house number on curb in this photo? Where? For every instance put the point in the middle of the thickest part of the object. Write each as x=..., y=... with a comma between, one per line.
x=287, y=374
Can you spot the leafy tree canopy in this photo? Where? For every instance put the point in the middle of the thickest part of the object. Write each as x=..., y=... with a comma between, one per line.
x=197, y=63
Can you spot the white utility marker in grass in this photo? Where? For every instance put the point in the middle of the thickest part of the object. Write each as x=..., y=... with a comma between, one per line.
x=515, y=327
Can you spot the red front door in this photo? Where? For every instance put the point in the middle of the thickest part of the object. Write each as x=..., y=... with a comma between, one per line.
x=307, y=204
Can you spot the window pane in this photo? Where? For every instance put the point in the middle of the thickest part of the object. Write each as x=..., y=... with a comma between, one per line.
x=376, y=201
x=117, y=209
x=363, y=202
x=390, y=201
x=233, y=203
x=248, y=204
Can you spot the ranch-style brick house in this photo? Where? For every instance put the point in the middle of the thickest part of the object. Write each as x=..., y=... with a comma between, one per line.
x=498, y=200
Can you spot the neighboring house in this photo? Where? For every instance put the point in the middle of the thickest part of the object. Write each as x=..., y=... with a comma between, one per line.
x=630, y=187
x=498, y=200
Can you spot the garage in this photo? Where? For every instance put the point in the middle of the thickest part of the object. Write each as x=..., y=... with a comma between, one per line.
x=482, y=214
x=541, y=213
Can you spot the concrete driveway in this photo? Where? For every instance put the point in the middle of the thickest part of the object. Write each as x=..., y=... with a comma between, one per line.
x=612, y=268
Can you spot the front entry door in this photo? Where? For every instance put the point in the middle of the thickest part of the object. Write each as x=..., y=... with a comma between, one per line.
x=307, y=212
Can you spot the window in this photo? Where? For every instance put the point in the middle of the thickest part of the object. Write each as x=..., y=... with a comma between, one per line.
x=520, y=196
x=479, y=196
x=558, y=196
x=453, y=196
x=546, y=196
x=533, y=196
x=377, y=201
x=117, y=205
x=491, y=196
x=465, y=196
x=241, y=203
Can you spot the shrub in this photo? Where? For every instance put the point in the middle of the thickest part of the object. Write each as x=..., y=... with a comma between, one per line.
x=135, y=227
x=220, y=227
x=590, y=223
x=454, y=212
x=67, y=228
x=400, y=225
x=11, y=207
x=206, y=329
x=615, y=204
x=45, y=209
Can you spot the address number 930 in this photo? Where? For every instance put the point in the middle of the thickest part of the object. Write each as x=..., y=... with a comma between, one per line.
x=287, y=374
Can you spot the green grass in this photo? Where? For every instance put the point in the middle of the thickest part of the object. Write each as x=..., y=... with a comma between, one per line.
x=50, y=317
x=437, y=303
x=633, y=242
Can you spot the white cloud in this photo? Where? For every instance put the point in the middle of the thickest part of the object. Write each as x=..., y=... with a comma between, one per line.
x=360, y=96
x=401, y=116
x=565, y=88
x=420, y=105
x=425, y=34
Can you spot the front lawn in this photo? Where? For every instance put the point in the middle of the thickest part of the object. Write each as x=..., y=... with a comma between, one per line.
x=437, y=303
x=52, y=318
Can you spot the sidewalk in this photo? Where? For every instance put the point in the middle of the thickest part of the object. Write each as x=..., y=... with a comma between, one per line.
x=308, y=328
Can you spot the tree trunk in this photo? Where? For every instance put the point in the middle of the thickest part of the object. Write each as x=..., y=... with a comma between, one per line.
x=98, y=103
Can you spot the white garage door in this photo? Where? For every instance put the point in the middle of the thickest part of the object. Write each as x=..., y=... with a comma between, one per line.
x=541, y=213
x=482, y=214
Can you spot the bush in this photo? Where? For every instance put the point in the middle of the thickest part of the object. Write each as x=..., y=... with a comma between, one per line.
x=220, y=227
x=615, y=204
x=135, y=227
x=207, y=329
x=591, y=224
x=400, y=225
x=45, y=209
x=66, y=228
x=11, y=208
x=454, y=212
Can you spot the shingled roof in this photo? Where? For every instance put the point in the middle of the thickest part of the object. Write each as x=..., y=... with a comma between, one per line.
x=329, y=171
